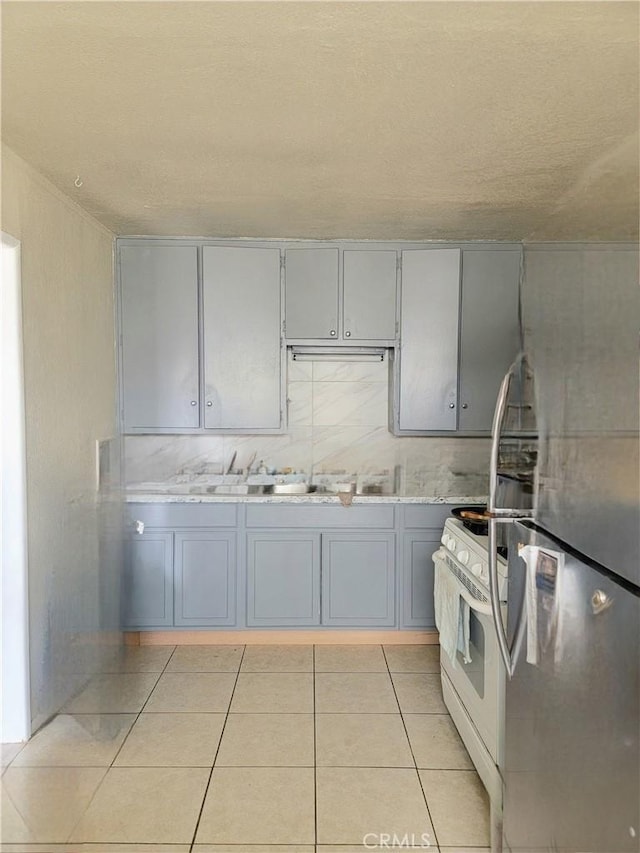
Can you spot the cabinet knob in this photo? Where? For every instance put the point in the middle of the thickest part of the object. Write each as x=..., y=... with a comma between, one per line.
x=138, y=526
x=332, y=333
x=194, y=402
x=465, y=405
x=347, y=334
x=600, y=601
x=452, y=405
x=209, y=403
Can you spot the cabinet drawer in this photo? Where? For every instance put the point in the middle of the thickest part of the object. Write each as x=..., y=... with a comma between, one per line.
x=426, y=516
x=175, y=515
x=324, y=516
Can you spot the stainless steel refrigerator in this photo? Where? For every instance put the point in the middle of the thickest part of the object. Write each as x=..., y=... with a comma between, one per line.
x=566, y=428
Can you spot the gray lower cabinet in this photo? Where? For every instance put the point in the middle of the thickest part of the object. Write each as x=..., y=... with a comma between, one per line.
x=333, y=579
x=283, y=579
x=148, y=581
x=417, y=581
x=205, y=579
x=358, y=579
x=302, y=568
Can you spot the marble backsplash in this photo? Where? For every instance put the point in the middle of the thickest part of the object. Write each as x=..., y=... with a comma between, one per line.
x=337, y=424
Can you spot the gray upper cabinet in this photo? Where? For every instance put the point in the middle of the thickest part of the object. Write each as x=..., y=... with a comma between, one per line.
x=489, y=336
x=369, y=295
x=159, y=309
x=311, y=293
x=357, y=306
x=426, y=377
x=242, y=340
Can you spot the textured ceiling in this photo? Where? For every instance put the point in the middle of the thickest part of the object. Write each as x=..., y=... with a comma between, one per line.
x=398, y=120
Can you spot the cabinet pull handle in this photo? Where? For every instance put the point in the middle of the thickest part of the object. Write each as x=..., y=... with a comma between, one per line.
x=332, y=333
x=194, y=402
x=209, y=403
x=465, y=405
x=452, y=405
x=347, y=334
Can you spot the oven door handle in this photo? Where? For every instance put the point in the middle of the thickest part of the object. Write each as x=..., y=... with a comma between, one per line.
x=509, y=653
x=474, y=604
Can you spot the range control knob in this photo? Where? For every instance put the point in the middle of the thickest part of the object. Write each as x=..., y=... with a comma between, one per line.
x=463, y=557
x=451, y=544
x=476, y=569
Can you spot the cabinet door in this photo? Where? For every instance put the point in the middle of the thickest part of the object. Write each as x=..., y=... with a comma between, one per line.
x=428, y=365
x=311, y=293
x=417, y=581
x=205, y=579
x=242, y=362
x=283, y=579
x=489, y=332
x=358, y=579
x=369, y=295
x=159, y=337
x=148, y=581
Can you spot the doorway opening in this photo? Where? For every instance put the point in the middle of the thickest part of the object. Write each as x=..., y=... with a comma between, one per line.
x=15, y=723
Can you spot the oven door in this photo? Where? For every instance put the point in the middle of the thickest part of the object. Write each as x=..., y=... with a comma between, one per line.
x=480, y=683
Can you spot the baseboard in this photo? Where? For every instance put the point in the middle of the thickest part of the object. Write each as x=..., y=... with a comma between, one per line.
x=248, y=637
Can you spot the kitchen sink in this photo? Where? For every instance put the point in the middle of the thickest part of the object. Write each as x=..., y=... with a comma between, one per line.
x=291, y=488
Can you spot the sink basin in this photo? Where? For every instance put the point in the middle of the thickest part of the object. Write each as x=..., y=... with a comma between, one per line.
x=291, y=488
x=231, y=489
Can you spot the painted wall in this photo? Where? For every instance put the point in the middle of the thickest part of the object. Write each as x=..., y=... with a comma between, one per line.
x=338, y=416
x=74, y=531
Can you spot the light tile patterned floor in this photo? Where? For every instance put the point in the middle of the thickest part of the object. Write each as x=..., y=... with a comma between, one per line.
x=263, y=749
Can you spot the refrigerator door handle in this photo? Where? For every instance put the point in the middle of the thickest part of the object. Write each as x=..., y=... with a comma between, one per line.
x=509, y=654
x=496, y=434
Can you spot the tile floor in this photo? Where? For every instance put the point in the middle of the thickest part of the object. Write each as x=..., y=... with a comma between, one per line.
x=257, y=749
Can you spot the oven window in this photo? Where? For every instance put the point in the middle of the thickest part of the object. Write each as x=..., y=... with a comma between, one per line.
x=474, y=670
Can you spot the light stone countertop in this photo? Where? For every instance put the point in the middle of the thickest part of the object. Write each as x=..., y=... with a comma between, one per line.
x=311, y=498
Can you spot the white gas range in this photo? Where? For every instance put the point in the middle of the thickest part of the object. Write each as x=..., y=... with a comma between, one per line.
x=474, y=691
